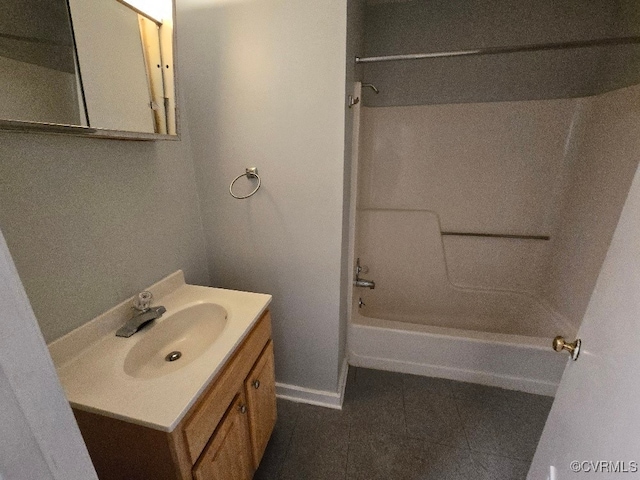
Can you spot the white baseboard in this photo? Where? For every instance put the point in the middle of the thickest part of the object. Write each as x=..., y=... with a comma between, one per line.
x=342, y=381
x=321, y=398
x=528, y=385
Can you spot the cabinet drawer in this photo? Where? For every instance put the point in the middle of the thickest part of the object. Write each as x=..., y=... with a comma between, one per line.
x=260, y=389
x=228, y=454
x=207, y=413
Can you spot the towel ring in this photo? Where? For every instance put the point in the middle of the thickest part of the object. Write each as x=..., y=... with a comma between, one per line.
x=250, y=172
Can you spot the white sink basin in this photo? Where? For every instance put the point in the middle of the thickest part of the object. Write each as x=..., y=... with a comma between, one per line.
x=190, y=331
x=129, y=378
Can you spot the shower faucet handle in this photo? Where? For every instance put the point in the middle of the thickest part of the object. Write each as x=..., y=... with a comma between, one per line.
x=360, y=268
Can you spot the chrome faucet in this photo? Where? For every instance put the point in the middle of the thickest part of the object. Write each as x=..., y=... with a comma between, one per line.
x=361, y=282
x=145, y=314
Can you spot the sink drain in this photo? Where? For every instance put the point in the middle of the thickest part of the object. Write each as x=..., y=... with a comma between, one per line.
x=173, y=356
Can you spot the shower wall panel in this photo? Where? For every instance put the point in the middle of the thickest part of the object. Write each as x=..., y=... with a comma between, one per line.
x=404, y=253
x=602, y=163
x=560, y=168
x=481, y=168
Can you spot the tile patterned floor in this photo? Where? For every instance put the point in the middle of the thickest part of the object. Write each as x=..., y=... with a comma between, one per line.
x=404, y=427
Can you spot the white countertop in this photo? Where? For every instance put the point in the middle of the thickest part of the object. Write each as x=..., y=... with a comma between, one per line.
x=90, y=360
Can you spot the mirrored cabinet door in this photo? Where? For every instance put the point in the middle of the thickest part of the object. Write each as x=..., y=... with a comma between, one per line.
x=102, y=64
x=37, y=63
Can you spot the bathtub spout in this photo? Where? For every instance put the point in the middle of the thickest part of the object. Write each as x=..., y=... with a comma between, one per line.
x=361, y=282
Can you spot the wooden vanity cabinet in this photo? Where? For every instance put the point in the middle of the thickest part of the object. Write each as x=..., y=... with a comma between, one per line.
x=260, y=390
x=222, y=437
x=228, y=454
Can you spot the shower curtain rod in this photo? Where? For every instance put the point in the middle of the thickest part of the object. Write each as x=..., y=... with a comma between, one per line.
x=604, y=42
x=496, y=235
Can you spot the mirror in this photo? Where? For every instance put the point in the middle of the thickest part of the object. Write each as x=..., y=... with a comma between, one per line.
x=103, y=67
x=37, y=63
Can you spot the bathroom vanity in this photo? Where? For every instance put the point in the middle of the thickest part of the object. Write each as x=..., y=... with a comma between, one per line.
x=146, y=418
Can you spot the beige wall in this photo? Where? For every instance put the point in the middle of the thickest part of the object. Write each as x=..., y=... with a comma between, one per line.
x=90, y=222
x=266, y=88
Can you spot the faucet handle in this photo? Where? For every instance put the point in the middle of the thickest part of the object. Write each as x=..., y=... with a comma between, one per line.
x=142, y=301
x=360, y=268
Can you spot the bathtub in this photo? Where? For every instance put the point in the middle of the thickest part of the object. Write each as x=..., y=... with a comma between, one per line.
x=515, y=362
x=420, y=320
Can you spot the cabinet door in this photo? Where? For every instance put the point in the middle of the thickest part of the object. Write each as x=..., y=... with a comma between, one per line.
x=260, y=388
x=228, y=454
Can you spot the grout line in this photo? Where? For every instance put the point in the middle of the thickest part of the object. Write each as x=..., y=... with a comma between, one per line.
x=404, y=410
x=430, y=441
x=349, y=421
x=462, y=423
x=288, y=445
x=494, y=454
x=346, y=466
x=478, y=462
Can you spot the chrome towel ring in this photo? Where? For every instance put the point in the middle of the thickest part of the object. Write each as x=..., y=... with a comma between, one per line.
x=249, y=172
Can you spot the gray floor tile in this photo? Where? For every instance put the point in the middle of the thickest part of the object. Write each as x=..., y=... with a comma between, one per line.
x=274, y=456
x=398, y=427
x=320, y=419
x=374, y=403
x=416, y=385
x=383, y=412
x=474, y=391
x=378, y=378
x=385, y=457
x=504, y=424
x=279, y=442
x=484, y=393
x=434, y=418
x=501, y=468
x=447, y=463
x=351, y=375
x=318, y=447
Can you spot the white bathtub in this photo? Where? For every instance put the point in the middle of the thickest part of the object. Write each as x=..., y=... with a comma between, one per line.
x=502, y=360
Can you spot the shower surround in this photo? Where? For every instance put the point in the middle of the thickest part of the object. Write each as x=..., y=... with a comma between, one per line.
x=486, y=308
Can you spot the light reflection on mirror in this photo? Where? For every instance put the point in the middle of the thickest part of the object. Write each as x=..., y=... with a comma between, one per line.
x=126, y=65
x=157, y=10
